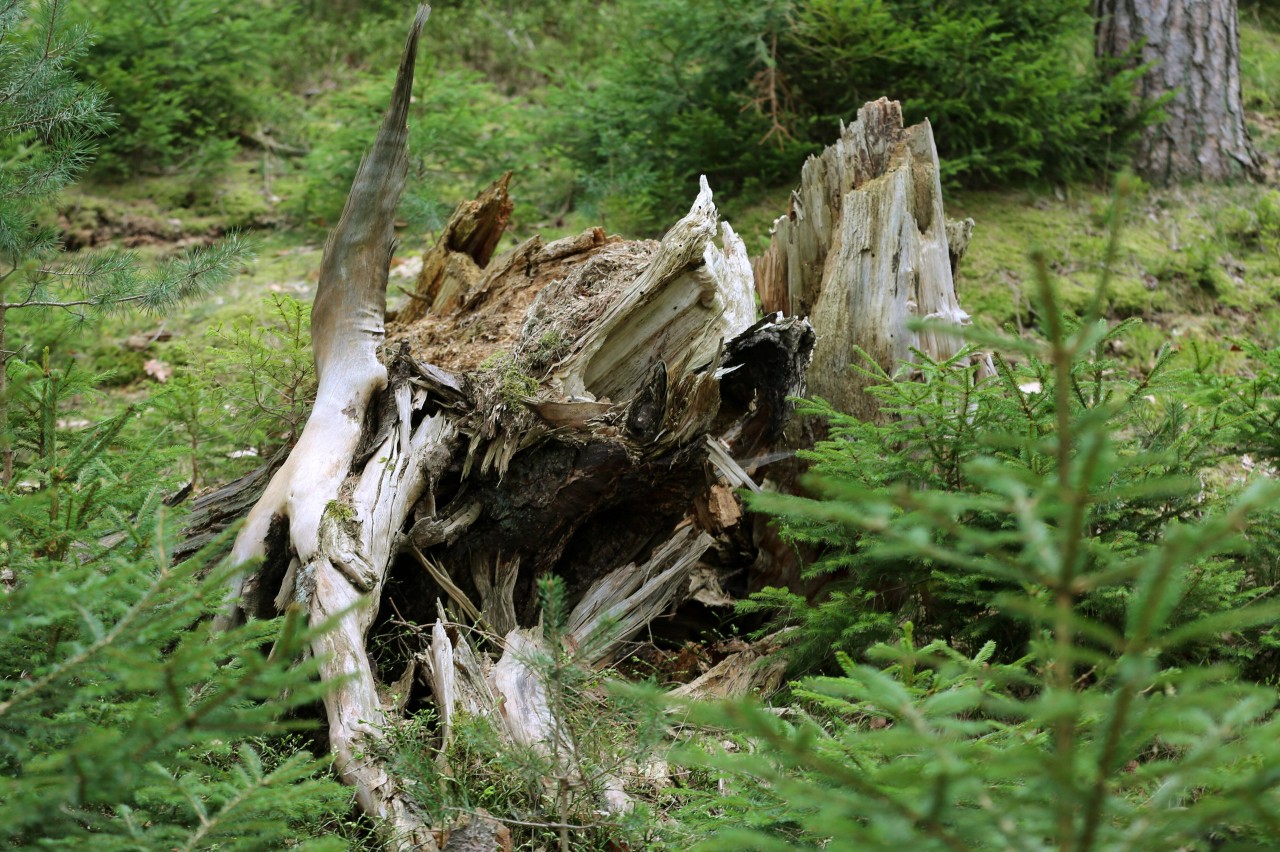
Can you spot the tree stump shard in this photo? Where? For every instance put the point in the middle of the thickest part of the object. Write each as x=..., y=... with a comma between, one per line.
x=862, y=251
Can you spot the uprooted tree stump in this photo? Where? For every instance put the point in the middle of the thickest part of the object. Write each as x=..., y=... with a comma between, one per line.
x=587, y=408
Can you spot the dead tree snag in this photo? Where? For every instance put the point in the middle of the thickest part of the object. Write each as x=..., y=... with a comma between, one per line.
x=862, y=251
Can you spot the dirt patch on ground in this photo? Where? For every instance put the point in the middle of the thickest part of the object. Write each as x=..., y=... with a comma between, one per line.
x=86, y=226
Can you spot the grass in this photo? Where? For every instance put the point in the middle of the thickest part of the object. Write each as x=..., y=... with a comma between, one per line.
x=1181, y=265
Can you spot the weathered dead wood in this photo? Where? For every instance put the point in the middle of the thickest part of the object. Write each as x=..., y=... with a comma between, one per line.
x=341, y=548
x=462, y=250
x=756, y=670
x=213, y=512
x=585, y=408
x=862, y=251
x=580, y=448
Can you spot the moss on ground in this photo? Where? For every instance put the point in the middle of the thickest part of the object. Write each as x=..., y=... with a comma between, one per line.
x=1191, y=260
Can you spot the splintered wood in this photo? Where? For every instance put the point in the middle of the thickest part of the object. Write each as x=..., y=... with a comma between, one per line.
x=588, y=408
x=862, y=251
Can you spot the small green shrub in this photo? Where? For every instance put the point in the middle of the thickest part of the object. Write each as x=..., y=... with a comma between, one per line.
x=674, y=102
x=1257, y=227
x=1010, y=86
x=264, y=374
x=241, y=394
x=122, y=714
x=944, y=423
x=1252, y=399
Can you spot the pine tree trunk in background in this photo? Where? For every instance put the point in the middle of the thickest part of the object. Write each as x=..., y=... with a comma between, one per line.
x=1193, y=49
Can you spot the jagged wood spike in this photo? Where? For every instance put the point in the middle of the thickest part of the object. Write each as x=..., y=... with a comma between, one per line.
x=343, y=549
x=350, y=304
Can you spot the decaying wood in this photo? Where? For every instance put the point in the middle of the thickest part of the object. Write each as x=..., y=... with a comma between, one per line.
x=862, y=251
x=579, y=447
x=757, y=669
x=587, y=408
x=463, y=249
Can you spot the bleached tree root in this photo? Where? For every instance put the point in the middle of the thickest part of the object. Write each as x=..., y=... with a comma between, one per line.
x=341, y=527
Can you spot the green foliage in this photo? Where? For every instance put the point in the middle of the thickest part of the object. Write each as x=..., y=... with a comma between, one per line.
x=47, y=121
x=463, y=134
x=521, y=44
x=1255, y=227
x=742, y=92
x=115, y=713
x=184, y=76
x=945, y=425
x=88, y=481
x=1259, y=57
x=120, y=709
x=510, y=382
x=46, y=127
x=265, y=372
x=119, y=706
x=1110, y=722
x=243, y=393
x=931, y=749
x=673, y=102
x=1011, y=86
x=1253, y=399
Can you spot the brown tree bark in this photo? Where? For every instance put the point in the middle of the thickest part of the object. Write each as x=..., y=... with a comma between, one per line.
x=1192, y=48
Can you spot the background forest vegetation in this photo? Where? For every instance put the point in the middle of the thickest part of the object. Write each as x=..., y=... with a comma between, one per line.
x=1018, y=643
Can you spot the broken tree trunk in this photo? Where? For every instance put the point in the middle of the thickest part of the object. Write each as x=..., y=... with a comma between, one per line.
x=862, y=252
x=583, y=408
x=578, y=446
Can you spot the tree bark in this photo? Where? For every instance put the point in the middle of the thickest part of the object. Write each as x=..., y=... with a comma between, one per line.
x=1192, y=50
